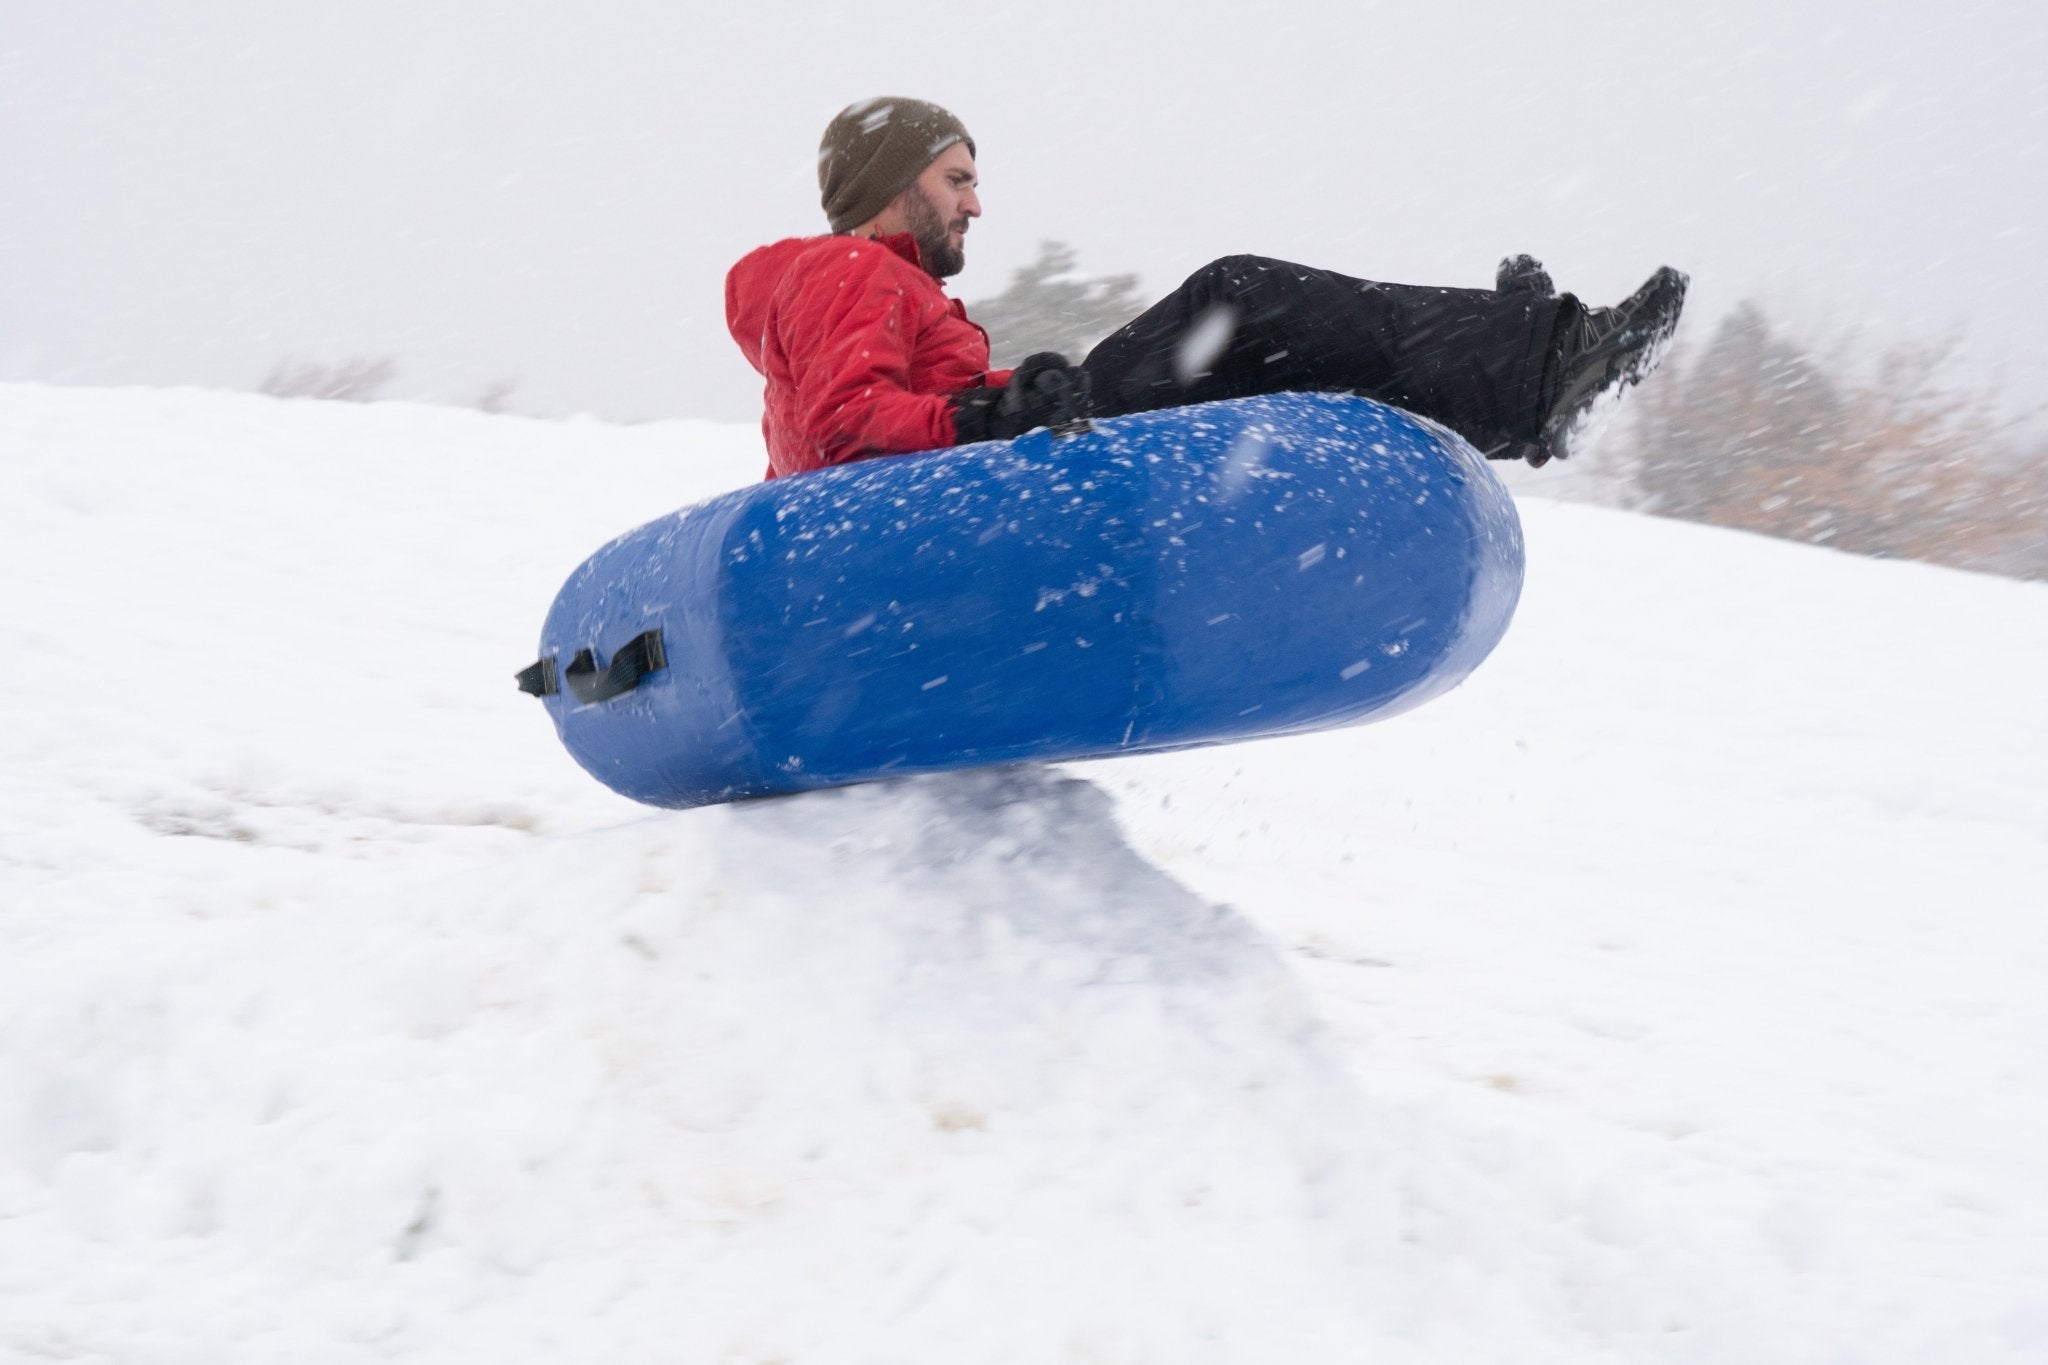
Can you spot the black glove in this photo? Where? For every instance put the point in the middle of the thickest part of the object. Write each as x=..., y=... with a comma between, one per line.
x=1044, y=391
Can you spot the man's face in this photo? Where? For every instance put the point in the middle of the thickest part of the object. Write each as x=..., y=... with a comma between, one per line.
x=936, y=209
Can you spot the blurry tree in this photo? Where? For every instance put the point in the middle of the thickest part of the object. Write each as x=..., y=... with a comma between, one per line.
x=496, y=396
x=1046, y=307
x=359, y=379
x=1756, y=433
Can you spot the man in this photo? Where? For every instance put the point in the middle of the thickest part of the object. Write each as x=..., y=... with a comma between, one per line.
x=864, y=354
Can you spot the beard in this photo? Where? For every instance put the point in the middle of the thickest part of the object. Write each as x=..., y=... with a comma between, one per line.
x=935, y=249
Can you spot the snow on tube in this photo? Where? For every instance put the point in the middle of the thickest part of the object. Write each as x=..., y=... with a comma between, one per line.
x=1190, y=576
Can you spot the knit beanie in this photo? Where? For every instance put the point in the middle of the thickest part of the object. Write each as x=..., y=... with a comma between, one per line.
x=874, y=149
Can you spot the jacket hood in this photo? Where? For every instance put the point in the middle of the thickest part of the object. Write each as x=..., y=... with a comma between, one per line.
x=750, y=285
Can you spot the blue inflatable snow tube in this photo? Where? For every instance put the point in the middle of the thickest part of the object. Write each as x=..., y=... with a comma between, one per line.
x=1184, y=577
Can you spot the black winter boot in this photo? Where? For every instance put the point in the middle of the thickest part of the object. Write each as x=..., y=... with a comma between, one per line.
x=1603, y=351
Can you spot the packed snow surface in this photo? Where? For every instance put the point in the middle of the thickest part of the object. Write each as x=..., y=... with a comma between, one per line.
x=1673, y=991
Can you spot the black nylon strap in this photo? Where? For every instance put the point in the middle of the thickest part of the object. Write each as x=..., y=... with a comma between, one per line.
x=634, y=660
x=538, y=679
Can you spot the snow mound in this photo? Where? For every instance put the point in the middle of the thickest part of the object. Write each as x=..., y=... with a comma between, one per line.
x=730, y=1082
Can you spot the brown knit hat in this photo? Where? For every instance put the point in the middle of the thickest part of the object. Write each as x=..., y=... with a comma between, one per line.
x=874, y=149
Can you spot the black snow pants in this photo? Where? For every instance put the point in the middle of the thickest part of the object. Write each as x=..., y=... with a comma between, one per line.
x=1472, y=359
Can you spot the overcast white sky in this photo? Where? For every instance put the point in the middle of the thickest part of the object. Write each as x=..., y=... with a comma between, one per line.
x=552, y=192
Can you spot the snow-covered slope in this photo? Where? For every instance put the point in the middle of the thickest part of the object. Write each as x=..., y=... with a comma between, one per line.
x=1669, y=992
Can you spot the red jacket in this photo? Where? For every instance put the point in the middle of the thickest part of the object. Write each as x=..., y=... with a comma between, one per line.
x=860, y=348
